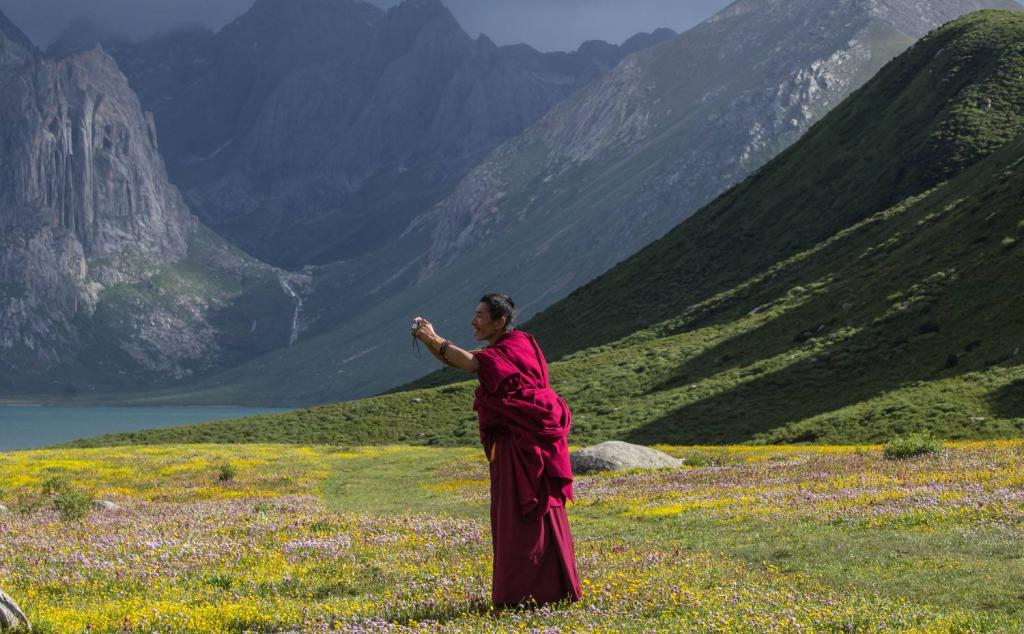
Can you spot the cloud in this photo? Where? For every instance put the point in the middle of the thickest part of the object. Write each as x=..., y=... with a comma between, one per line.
x=544, y=24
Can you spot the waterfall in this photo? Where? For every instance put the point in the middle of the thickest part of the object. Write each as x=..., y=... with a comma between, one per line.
x=297, y=315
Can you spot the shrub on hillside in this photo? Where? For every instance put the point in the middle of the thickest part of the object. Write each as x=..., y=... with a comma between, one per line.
x=72, y=504
x=911, y=445
x=227, y=473
x=55, y=485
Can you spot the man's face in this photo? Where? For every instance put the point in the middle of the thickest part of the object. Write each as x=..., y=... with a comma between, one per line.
x=484, y=328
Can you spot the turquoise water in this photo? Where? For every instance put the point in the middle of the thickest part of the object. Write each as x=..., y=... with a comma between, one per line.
x=25, y=427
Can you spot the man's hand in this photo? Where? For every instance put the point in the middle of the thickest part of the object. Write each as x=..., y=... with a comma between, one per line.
x=425, y=332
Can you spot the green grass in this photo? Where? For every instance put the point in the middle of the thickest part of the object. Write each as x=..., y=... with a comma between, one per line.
x=948, y=566
x=403, y=481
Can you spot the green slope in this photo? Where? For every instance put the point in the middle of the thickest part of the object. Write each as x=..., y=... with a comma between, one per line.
x=864, y=284
x=951, y=99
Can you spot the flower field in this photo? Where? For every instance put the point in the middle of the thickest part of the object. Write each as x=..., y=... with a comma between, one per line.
x=285, y=539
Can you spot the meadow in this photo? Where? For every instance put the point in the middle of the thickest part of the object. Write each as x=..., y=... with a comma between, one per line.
x=280, y=538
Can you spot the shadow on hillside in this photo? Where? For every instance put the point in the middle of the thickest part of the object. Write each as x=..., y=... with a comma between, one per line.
x=847, y=372
x=1008, y=401
x=786, y=331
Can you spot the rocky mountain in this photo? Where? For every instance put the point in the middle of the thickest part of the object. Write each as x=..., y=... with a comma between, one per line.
x=98, y=277
x=604, y=173
x=861, y=286
x=312, y=131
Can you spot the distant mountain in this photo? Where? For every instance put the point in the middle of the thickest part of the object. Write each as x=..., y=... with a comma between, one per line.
x=862, y=285
x=81, y=35
x=311, y=131
x=106, y=279
x=602, y=174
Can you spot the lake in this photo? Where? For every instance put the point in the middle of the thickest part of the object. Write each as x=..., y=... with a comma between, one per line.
x=28, y=426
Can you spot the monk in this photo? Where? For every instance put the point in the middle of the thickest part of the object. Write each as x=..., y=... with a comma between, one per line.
x=523, y=428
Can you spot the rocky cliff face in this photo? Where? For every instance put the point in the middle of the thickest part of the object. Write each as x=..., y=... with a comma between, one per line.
x=83, y=197
x=313, y=131
x=90, y=229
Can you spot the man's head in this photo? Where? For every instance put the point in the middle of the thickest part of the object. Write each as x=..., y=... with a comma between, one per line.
x=495, y=315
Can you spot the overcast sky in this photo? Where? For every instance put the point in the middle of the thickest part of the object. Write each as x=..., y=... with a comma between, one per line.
x=545, y=24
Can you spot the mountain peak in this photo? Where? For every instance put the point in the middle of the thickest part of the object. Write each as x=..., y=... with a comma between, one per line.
x=416, y=13
x=11, y=32
x=289, y=12
x=80, y=35
x=421, y=7
x=641, y=41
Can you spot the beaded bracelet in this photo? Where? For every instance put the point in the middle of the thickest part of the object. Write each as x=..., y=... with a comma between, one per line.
x=444, y=351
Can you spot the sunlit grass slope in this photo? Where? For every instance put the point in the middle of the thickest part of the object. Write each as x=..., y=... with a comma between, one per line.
x=865, y=284
x=954, y=98
x=395, y=539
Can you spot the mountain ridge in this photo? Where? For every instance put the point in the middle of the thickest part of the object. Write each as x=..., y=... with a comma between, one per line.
x=898, y=316
x=9, y=30
x=349, y=126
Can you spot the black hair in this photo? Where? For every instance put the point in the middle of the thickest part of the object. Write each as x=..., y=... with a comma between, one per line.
x=499, y=306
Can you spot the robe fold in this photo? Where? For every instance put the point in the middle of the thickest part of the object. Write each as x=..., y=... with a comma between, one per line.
x=524, y=426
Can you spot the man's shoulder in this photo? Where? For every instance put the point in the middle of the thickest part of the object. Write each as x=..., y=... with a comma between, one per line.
x=515, y=338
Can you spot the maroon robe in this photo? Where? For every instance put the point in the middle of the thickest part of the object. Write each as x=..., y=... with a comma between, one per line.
x=523, y=427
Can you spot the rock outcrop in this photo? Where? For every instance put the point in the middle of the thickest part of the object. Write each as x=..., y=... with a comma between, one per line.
x=615, y=455
x=11, y=615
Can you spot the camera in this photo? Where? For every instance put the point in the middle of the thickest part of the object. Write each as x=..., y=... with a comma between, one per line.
x=416, y=324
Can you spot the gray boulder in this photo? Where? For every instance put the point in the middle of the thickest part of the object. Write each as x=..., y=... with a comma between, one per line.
x=105, y=505
x=616, y=455
x=11, y=615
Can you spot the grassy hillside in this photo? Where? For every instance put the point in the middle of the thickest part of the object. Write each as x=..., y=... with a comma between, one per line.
x=863, y=285
x=953, y=98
